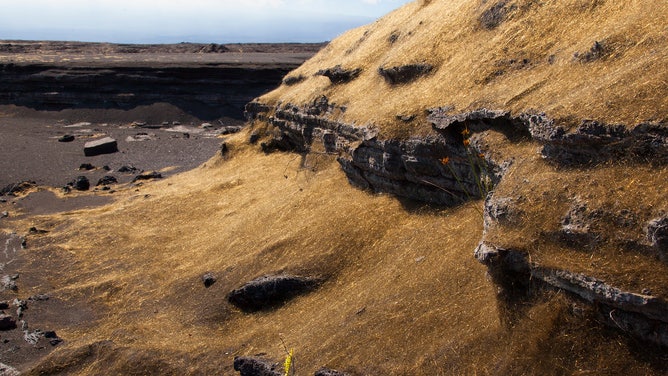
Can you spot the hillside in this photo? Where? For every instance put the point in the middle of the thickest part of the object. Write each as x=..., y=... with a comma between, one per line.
x=462, y=187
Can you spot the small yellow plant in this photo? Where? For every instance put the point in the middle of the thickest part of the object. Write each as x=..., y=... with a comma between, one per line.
x=287, y=365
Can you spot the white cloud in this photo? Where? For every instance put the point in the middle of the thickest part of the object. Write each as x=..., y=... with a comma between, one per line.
x=140, y=20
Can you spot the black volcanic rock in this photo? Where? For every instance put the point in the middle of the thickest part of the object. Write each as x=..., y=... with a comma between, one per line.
x=66, y=138
x=107, y=180
x=81, y=183
x=338, y=75
x=105, y=145
x=208, y=279
x=404, y=73
x=270, y=291
x=251, y=366
x=7, y=322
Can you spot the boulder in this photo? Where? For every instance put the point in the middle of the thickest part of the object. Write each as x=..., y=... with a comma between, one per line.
x=107, y=180
x=208, y=279
x=66, y=138
x=270, y=291
x=129, y=169
x=81, y=183
x=105, y=145
x=251, y=366
x=7, y=322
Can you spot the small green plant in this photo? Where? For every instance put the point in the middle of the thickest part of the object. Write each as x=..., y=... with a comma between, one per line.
x=287, y=365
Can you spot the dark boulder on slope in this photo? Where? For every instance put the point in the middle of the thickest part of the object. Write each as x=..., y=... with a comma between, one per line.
x=270, y=291
x=251, y=366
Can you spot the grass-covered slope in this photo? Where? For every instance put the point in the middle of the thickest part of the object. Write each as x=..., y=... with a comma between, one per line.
x=572, y=59
x=401, y=292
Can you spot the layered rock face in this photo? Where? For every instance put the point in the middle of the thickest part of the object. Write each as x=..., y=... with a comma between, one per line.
x=459, y=162
x=206, y=92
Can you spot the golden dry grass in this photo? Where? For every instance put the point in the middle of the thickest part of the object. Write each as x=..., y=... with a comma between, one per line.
x=404, y=295
x=527, y=62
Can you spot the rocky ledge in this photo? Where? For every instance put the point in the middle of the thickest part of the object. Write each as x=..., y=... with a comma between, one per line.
x=454, y=164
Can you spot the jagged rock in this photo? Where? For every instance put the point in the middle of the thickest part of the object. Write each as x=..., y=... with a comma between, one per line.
x=7, y=322
x=8, y=282
x=404, y=73
x=270, y=291
x=66, y=138
x=657, y=235
x=86, y=167
x=107, y=180
x=476, y=120
x=128, y=169
x=502, y=259
x=576, y=225
x=251, y=366
x=593, y=142
x=338, y=75
x=208, y=279
x=411, y=168
x=12, y=189
x=148, y=176
x=501, y=210
x=6, y=370
x=105, y=145
x=81, y=183
x=329, y=372
x=643, y=316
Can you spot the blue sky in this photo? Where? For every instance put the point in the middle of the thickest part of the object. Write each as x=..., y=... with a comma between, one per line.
x=173, y=21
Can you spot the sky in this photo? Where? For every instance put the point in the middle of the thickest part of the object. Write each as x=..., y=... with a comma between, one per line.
x=175, y=21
